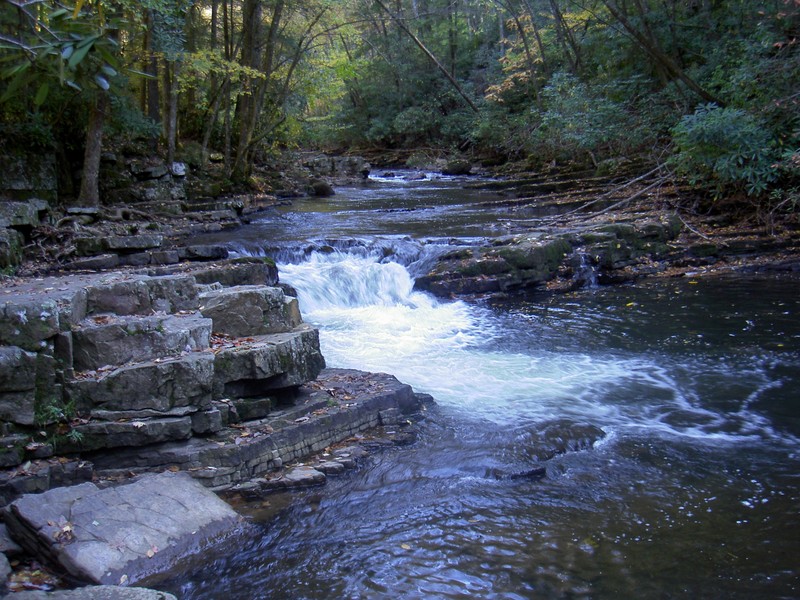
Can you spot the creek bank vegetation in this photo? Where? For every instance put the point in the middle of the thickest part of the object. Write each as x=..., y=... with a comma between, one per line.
x=707, y=90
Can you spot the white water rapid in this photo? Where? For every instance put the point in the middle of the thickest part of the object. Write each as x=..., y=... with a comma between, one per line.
x=371, y=319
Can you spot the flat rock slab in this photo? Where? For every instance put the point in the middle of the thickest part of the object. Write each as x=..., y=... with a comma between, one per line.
x=121, y=535
x=105, y=341
x=97, y=592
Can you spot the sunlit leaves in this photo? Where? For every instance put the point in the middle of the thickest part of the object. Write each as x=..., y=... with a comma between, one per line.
x=70, y=47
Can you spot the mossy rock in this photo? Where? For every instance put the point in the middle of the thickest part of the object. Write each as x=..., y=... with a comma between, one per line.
x=540, y=256
x=484, y=266
x=620, y=230
x=11, y=243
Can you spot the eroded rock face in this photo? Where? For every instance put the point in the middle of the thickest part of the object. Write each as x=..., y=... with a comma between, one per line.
x=28, y=175
x=268, y=363
x=159, y=387
x=92, y=363
x=117, y=342
x=17, y=385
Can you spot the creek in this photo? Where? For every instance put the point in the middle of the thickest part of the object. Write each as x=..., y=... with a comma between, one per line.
x=693, y=491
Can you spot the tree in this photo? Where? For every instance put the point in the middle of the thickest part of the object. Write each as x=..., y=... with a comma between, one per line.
x=76, y=49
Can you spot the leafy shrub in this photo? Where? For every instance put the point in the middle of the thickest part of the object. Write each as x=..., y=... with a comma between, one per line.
x=128, y=123
x=415, y=124
x=579, y=119
x=726, y=148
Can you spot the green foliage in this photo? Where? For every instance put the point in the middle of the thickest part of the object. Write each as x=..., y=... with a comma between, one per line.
x=29, y=130
x=578, y=120
x=128, y=123
x=725, y=148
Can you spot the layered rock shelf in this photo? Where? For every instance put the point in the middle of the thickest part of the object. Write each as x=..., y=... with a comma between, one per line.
x=204, y=371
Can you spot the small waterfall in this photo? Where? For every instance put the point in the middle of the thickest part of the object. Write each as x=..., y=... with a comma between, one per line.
x=585, y=273
x=418, y=257
x=337, y=280
x=475, y=361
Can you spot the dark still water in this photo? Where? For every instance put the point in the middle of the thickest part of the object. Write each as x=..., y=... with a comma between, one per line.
x=694, y=490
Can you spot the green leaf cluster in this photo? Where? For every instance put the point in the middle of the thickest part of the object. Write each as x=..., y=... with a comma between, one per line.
x=726, y=148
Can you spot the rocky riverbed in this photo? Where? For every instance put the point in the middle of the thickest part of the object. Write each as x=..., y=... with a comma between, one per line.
x=128, y=353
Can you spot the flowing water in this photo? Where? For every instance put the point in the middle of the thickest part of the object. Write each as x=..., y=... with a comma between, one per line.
x=694, y=491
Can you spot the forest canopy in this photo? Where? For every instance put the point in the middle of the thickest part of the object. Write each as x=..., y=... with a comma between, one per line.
x=708, y=88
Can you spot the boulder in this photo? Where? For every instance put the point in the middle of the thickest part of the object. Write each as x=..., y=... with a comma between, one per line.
x=144, y=172
x=513, y=263
x=303, y=476
x=143, y=296
x=17, y=370
x=5, y=570
x=8, y=546
x=24, y=215
x=341, y=168
x=321, y=189
x=12, y=447
x=243, y=311
x=28, y=323
x=123, y=243
x=11, y=243
x=178, y=169
x=94, y=263
x=29, y=174
x=457, y=166
x=239, y=271
x=42, y=475
x=98, y=435
x=121, y=535
x=206, y=252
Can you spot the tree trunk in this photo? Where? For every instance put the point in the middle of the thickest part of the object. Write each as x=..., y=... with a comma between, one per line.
x=246, y=112
x=538, y=36
x=565, y=39
x=90, y=180
x=172, y=112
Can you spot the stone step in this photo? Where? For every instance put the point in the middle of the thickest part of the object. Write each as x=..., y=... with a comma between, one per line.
x=143, y=296
x=261, y=364
x=335, y=407
x=146, y=389
x=17, y=385
x=101, y=435
x=102, y=341
x=228, y=273
x=249, y=310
